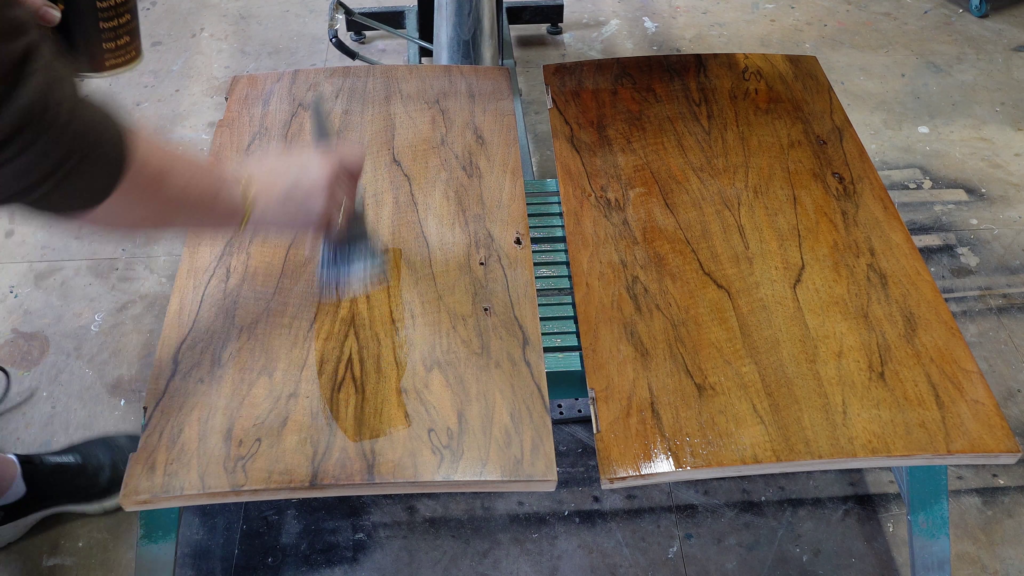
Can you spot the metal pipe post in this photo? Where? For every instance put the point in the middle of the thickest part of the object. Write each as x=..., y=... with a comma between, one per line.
x=466, y=32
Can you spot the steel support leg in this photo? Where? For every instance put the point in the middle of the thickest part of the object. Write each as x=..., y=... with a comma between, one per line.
x=925, y=492
x=157, y=543
x=413, y=28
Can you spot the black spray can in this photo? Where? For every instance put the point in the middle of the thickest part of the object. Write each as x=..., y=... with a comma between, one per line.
x=102, y=36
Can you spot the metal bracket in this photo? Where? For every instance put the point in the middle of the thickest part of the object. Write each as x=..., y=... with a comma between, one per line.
x=593, y=410
x=570, y=410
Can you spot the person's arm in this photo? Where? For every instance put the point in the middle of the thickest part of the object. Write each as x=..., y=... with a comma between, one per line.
x=61, y=154
x=293, y=188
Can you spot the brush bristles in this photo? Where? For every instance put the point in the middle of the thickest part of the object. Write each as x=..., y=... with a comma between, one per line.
x=349, y=269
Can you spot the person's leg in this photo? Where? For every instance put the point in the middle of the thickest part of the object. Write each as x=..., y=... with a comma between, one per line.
x=10, y=474
x=83, y=479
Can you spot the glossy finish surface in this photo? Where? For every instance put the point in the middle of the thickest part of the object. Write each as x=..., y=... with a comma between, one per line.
x=748, y=299
x=235, y=407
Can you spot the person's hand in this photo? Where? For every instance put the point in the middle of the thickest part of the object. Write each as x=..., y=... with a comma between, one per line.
x=46, y=13
x=303, y=187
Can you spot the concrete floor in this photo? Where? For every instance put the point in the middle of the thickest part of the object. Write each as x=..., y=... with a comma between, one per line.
x=81, y=309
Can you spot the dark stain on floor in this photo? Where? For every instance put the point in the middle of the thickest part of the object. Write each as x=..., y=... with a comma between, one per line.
x=24, y=350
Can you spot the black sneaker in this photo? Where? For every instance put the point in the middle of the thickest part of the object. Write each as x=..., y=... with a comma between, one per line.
x=83, y=479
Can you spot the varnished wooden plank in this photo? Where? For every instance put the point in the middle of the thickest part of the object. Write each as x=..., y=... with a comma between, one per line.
x=259, y=391
x=361, y=357
x=748, y=299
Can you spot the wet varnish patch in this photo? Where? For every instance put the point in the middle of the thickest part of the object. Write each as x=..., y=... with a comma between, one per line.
x=360, y=355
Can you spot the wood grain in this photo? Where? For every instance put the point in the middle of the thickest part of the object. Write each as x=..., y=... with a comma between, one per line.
x=258, y=392
x=360, y=358
x=749, y=300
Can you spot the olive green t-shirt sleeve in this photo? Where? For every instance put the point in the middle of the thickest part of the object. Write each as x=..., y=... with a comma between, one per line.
x=58, y=152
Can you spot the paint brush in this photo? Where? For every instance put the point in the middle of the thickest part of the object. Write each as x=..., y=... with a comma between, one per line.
x=351, y=261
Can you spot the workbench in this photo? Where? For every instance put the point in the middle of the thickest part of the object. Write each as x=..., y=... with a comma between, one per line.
x=924, y=489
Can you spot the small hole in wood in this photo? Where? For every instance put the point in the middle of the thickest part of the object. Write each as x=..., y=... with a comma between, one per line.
x=487, y=310
x=518, y=241
x=822, y=142
x=483, y=260
x=838, y=177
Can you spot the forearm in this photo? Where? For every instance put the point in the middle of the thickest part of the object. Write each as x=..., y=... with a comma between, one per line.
x=61, y=154
x=163, y=188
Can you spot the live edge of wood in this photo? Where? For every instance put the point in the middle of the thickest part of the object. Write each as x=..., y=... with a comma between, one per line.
x=435, y=383
x=748, y=299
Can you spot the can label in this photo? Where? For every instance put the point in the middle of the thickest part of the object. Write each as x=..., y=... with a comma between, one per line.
x=101, y=35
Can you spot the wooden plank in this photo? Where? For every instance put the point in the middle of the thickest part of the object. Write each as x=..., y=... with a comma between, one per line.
x=260, y=392
x=933, y=195
x=748, y=299
x=897, y=177
x=542, y=221
x=939, y=240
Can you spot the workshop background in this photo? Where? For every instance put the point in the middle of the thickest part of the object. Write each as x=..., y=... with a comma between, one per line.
x=936, y=97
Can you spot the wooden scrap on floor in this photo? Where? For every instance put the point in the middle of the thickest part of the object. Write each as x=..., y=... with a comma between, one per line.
x=937, y=240
x=892, y=178
x=434, y=383
x=931, y=195
x=748, y=298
